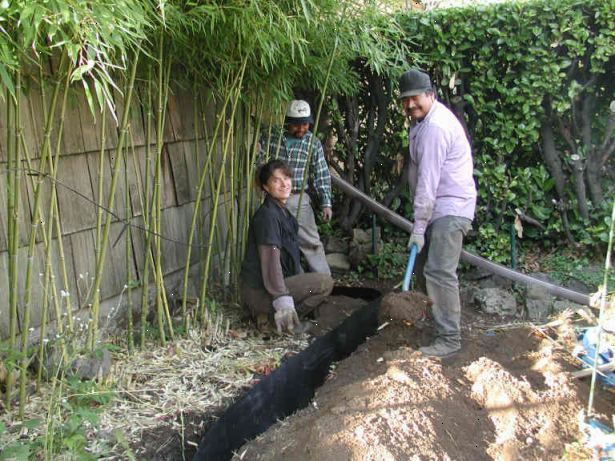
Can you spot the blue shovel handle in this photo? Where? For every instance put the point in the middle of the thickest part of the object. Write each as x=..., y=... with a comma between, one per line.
x=409, y=268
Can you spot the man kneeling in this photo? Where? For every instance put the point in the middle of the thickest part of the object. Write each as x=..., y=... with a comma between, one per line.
x=273, y=285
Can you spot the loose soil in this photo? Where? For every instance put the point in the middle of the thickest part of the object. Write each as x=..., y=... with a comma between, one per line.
x=506, y=395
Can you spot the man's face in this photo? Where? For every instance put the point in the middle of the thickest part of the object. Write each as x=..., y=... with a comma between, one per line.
x=278, y=186
x=418, y=106
x=298, y=130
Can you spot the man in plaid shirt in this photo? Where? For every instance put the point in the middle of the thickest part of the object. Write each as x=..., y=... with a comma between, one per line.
x=302, y=151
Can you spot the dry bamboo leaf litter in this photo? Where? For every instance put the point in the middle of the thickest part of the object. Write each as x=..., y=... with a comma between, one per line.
x=157, y=386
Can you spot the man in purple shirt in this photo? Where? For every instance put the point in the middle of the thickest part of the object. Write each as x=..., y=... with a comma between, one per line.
x=440, y=177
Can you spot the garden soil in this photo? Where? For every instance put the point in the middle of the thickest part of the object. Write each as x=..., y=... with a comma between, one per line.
x=506, y=395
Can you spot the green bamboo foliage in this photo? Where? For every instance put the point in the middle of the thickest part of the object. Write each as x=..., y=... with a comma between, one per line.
x=248, y=58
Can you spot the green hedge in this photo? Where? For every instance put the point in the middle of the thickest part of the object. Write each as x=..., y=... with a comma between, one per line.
x=511, y=70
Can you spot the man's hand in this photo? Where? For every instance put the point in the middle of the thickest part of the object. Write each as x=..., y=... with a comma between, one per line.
x=327, y=214
x=418, y=240
x=285, y=316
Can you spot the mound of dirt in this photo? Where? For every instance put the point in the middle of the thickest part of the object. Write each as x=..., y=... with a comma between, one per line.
x=405, y=306
x=504, y=396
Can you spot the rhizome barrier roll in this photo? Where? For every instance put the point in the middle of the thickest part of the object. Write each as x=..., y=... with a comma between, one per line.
x=291, y=386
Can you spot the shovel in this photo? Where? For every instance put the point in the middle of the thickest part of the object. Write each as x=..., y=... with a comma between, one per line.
x=409, y=268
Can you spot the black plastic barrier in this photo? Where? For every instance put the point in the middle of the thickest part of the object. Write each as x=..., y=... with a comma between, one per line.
x=292, y=385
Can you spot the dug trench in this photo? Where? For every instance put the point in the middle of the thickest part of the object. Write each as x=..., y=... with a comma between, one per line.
x=506, y=395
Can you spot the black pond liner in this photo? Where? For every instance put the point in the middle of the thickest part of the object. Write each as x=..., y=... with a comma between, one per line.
x=291, y=386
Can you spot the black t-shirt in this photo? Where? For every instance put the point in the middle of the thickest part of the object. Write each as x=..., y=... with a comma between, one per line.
x=272, y=224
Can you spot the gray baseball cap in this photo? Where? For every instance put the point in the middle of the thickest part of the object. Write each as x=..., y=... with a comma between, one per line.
x=413, y=82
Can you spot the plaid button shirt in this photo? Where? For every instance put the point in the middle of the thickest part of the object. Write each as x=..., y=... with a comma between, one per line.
x=297, y=158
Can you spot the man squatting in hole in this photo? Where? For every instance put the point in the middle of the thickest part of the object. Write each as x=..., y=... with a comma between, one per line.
x=441, y=182
x=273, y=285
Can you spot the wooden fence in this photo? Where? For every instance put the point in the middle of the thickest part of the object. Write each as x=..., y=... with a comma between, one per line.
x=77, y=186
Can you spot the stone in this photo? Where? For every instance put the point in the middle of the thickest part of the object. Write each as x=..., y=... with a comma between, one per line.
x=364, y=236
x=357, y=254
x=496, y=301
x=536, y=291
x=578, y=286
x=361, y=245
x=538, y=310
x=338, y=262
x=97, y=365
x=476, y=273
x=561, y=305
x=336, y=245
x=495, y=281
x=467, y=295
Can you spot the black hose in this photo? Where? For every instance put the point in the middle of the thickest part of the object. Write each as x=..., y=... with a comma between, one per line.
x=470, y=258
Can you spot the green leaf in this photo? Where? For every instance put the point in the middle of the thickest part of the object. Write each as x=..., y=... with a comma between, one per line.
x=17, y=451
x=6, y=79
x=32, y=423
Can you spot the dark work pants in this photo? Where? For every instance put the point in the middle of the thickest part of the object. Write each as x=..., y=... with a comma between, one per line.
x=308, y=291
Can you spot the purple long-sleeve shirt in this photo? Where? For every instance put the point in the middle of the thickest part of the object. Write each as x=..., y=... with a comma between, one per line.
x=440, y=173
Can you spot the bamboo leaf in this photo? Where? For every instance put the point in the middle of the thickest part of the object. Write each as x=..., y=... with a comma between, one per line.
x=6, y=79
x=88, y=97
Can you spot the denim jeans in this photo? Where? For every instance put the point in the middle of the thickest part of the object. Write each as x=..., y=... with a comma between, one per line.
x=436, y=273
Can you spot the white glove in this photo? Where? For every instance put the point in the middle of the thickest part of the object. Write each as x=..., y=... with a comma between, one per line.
x=418, y=240
x=285, y=314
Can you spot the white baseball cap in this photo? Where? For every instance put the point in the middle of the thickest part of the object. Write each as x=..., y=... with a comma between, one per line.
x=298, y=112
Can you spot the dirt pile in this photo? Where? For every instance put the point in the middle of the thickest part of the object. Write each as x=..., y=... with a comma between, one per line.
x=405, y=306
x=504, y=396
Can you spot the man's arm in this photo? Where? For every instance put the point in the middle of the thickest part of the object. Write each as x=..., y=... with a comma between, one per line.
x=431, y=154
x=271, y=269
x=320, y=173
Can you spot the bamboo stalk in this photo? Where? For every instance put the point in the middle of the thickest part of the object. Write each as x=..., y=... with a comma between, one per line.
x=62, y=257
x=101, y=253
x=317, y=120
x=212, y=226
x=101, y=179
x=195, y=214
x=13, y=231
x=145, y=212
x=128, y=252
x=157, y=195
x=47, y=239
x=36, y=212
x=603, y=295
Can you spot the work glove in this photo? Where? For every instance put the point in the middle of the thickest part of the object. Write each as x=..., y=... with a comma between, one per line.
x=418, y=240
x=327, y=214
x=285, y=316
